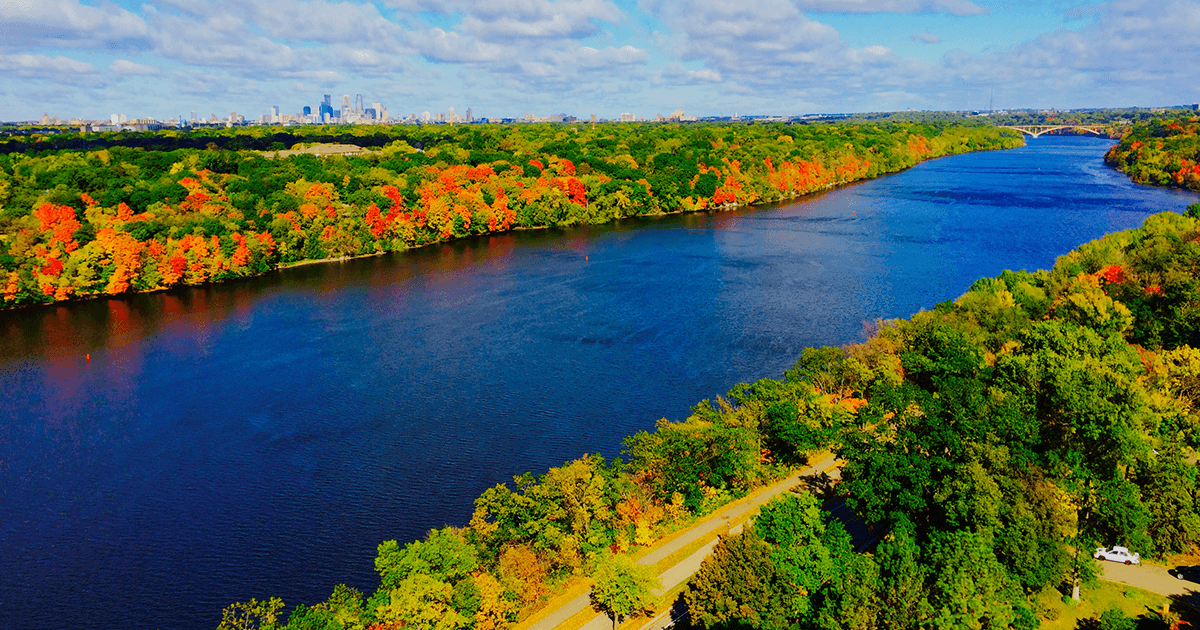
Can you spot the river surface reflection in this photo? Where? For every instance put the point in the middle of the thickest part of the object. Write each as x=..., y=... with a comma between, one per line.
x=261, y=438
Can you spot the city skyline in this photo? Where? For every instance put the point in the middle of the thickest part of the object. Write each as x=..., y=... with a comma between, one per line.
x=164, y=58
x=347, y=113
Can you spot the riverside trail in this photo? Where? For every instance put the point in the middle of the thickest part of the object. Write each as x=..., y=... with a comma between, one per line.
x=682, y=570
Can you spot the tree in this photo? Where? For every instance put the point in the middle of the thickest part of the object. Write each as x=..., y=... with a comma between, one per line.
x=901, y=579
x=736, y=583
x=712, y=448
x=494, y=608
x=795, y=528
x=1092, y=412
x=1169, y=485
x=622, y=586
x=444, y=555
x=422, y=602
x=346, y=606
x=924, y=426
x=573, y=499
x=970, y=588
x=312, y=618
x=251, y=615
x=851, y=599
x=522, y=573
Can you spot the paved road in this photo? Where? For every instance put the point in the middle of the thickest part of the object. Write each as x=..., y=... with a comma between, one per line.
x=684, y=569
x=1151, y=578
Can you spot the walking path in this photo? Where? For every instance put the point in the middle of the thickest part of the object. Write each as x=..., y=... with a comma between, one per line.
x=681, y=571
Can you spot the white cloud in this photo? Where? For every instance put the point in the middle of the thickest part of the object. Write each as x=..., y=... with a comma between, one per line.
x=68, y=24
x=126, y=67
x=43, y=65
x=953, y=7
x=536, y=19
x=590, y=58
x=349, y=24
x=439, y=45
x=528, y=46
x=220, y=41
x=676, y=74
x=765, y=44
x=1133, y=49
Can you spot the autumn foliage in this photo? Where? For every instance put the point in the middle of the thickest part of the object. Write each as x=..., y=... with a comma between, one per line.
x=80, y=224
x=1163, y=152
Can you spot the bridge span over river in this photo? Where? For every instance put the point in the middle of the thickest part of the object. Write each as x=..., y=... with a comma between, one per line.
x=1037, y=130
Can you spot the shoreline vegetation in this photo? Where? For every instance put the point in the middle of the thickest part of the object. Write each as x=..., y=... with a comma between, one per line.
x=1160, y=152
x=78, y=223
x=986, y=441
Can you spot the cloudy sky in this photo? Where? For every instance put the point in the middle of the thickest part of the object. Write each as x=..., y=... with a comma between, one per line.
x=505, y=58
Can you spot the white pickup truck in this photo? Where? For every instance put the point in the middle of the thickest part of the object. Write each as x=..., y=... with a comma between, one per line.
x=1118, y=554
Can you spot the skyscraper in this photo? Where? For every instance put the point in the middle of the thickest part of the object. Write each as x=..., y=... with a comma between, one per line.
x=325, y=110
x=358, y=103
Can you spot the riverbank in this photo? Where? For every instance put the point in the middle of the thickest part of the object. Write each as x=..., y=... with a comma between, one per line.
x=216, y=227
x=1160, y=152
x=913, y=382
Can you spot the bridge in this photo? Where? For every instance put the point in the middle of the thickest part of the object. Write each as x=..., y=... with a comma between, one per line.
x=1037, y=130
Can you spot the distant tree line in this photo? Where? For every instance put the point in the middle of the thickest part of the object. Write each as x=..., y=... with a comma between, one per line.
x=155, y=210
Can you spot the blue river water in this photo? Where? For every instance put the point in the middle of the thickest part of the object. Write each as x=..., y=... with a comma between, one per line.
x=260, y=438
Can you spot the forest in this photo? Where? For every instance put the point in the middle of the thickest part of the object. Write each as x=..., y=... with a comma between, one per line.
x=1161, y=152
x=992, y=442
x=86, y=215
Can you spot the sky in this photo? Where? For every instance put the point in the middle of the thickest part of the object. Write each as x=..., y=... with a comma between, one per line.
x=507, y=58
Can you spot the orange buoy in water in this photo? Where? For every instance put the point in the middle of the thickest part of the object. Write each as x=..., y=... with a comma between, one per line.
x=853, y=214
x=585, y=257
x=89, y=358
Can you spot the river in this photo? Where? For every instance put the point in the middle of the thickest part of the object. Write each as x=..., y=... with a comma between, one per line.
x=260, y=438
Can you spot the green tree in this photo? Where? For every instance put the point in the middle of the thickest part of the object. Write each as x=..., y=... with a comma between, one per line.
x=251, y=615
x=345, y=605
x=902, y=577
x=1169, y=487
x=622, y=586
x=794, y=526
x=713, y=448
x=970, y=588
x=1093, y=414
x=444, y=555
x=852, y=598
x=422, y=602
x=312, y=618
x=737, y=584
